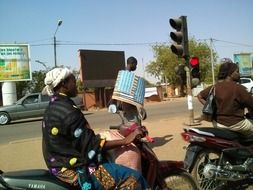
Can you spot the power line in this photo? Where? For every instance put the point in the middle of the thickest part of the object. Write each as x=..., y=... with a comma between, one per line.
x=70, y=43
x=42, y=44
x=66, y=43
x=229, y=42
x=40, y=40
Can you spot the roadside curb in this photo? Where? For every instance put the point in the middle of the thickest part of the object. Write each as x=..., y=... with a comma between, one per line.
x=25, y=140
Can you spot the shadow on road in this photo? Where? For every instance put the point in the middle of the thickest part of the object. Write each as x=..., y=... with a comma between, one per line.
x=160, y=141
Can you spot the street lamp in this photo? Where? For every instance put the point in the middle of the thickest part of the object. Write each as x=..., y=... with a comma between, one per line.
x=59, y=24
x=42, y=63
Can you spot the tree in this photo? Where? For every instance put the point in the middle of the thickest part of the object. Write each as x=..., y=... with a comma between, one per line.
x=34, y=85
x=202, y=51
x=21, y=88
x=79, y=83
x=164, y=63
x=37, y=84
x=148, y=84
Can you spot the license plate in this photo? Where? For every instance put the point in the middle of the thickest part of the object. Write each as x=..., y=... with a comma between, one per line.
x=190, y=155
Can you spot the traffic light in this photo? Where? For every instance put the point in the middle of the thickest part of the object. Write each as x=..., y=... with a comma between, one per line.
x=195, y=73
x=180, y=37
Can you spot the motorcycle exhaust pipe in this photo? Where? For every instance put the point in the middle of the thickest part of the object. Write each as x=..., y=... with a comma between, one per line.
x=211, y=171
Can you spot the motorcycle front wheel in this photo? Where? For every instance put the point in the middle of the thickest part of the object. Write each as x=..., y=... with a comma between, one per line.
x=205, y=160
x=180, y=180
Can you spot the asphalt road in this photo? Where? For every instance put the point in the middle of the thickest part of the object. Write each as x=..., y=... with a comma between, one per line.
x=99, y=119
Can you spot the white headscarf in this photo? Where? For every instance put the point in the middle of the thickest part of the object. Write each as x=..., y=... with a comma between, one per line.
x=53, y=78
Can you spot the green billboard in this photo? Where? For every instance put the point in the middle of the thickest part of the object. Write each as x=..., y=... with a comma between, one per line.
x=15, y=62
x=244, y=61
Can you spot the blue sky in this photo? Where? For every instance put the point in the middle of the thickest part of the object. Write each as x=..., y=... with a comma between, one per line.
x=134, y=23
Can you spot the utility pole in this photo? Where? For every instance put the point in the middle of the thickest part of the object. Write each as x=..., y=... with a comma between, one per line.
x=212, y=61
x=143, y=67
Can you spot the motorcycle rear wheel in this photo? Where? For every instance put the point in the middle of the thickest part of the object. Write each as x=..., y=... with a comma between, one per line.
x=180, y=180
x=203, y=158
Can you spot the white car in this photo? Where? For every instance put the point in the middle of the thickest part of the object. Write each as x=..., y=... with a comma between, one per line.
x=248, y=83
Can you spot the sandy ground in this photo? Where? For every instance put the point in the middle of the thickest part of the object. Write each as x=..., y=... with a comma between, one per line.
x=168, y=145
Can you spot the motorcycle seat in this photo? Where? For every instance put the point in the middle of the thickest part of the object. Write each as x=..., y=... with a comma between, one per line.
x=246, y=141
x=27, y=173
x=222, y=133
x=34, y=174
x=227, y=134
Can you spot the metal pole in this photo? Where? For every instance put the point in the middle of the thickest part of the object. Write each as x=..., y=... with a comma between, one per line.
x=55, y=62
x=59, y=24
x=189, y=93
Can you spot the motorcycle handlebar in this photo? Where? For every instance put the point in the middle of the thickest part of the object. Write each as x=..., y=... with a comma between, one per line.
x=115, y=127
x=145, y=139
x=140, y=138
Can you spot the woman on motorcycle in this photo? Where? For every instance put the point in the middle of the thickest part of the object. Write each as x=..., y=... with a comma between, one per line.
x=71, y=148
x=231, y=100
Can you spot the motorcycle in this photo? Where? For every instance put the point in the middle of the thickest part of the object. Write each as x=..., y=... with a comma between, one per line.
x=159, y=174
x=166, y=174
x=218, y=158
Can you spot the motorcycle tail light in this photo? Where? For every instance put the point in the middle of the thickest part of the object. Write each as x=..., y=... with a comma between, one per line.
x=192, y=138
x=197, y=139
x=186, y=137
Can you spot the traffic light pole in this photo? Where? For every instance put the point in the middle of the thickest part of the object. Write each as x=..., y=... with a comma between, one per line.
x=181, y=49
x=189, y=95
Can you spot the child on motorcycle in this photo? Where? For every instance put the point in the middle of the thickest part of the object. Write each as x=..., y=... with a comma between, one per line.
x=130, y=111
x=231, y=100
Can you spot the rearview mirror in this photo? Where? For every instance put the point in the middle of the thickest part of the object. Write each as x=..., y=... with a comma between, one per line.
x=142, y=114
x=112, y=108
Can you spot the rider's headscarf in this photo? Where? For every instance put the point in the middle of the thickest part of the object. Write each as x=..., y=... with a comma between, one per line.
x=54, y=78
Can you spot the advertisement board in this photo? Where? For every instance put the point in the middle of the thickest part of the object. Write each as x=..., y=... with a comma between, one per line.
x=99, y=68
x=15, y=62
x=244, y=61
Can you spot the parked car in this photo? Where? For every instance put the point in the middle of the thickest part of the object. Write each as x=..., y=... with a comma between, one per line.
x=248, y=83
x=29, y=106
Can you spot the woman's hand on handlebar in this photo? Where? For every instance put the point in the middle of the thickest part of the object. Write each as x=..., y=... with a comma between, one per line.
x=132, y=136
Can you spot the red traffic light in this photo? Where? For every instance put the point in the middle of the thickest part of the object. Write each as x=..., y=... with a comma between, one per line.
x=195, y=73
x=194, y=61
